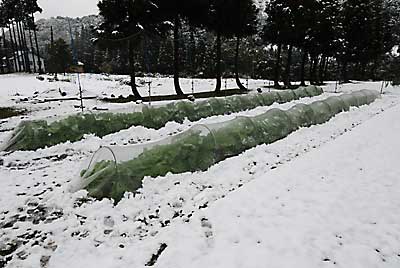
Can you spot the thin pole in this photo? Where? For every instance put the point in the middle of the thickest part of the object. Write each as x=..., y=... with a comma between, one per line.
x=80, y=91
x=336, y=86
x=149, y=92
x=337, y=77
x=76, y=62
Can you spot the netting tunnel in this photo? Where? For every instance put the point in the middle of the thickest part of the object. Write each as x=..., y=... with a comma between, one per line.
x=32, y=135
x=115, y=170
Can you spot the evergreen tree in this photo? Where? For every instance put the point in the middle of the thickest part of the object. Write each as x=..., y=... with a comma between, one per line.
x=216, y=23
x=195, y=12
x=363, y=33
x=244, y=24
x=17, y=14
x=323, y=38
x=3, y=53
x=278, y=30
x=60, y=57
x=127, y=21
x=32, y=7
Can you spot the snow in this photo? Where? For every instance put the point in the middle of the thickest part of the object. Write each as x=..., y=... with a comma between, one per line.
x=336, y=205
x=395, y=51
x=325, y=192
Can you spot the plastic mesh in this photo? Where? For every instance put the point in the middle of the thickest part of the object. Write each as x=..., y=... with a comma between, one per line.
x=322, y=111
x=336, y=104
x=39, y=134
x=313, y=91
x=189, y=151
x=301, y=93
x=287, y=95
x=301, y=115
x=234, y=137
x=113, y=174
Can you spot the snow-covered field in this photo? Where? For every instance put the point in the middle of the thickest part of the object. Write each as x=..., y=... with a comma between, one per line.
x=326, y=196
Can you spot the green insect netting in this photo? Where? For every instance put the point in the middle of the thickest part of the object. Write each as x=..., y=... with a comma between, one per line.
x=32, y=135
x=115, y=170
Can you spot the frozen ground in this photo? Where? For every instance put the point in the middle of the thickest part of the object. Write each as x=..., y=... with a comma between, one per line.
x=333, y=207
x=326, y=196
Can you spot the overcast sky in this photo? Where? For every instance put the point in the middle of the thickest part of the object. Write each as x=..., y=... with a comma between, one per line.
x=70, y=8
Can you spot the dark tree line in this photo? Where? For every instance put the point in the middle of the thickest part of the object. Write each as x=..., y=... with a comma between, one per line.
x=139, y=21
x=59, y=55
x=17, y=17
x=291, y=40
x=311, y=39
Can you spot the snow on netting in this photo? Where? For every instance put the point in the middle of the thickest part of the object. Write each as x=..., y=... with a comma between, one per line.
x=115, y=170
x=112, y=170
x=32, y=135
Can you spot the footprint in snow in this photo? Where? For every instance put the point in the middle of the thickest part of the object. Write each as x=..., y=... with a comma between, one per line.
x=208, y=233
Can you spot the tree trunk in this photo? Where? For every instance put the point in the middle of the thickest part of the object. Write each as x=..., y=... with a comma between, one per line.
x=18, y=42
x=3, y=38
x=326, y=68
x=193, y=50
x=21, y=47
x=363, y=71
x=13, y=49
x=17, y=48
x=321, y=70
x=33, y=50
x=240, y=85
x=176, y=56
x=303, y=69
x=310, y=70
x=218, y=64
x=2, y=70
x=315, y=70
x=288, y=65
x=374, y=70
x=6, y=51
x=37, y=46
x=131, y=48
x=278, y=67
x=26, y=49
x=344, y=72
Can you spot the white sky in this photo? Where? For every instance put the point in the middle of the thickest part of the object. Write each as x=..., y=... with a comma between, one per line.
x=70, y=8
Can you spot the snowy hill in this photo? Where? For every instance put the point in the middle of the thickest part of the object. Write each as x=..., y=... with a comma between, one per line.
x=61, y=27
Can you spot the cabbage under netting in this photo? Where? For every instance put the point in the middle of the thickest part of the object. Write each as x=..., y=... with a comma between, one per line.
x=32, y=135
x=118, y=169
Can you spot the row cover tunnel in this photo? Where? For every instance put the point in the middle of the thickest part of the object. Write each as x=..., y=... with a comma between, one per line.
x=32, y=135
x=115, y=170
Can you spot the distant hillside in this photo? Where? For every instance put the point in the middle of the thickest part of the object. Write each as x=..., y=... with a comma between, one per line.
x=61, y=27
